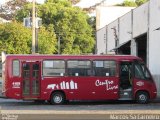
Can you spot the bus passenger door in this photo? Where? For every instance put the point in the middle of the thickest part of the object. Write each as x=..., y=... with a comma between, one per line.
x=30, y=80
x=126, y=79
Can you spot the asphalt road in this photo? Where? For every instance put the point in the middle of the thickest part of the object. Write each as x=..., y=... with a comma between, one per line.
x=11, y=104
x=29, y=110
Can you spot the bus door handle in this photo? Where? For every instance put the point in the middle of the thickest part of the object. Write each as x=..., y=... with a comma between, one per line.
x=42, y=78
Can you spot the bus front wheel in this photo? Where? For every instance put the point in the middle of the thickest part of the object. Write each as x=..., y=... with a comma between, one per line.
x=57, y=98
x=142, y=97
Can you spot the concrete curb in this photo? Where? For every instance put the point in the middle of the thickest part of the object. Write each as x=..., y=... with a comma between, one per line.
x=80, y=112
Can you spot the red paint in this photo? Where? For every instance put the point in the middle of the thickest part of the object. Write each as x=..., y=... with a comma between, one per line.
x=83, y=88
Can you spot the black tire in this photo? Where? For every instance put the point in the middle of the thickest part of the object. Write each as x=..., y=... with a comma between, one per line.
x=142, y=97
x=57, y=98
x=49, y=101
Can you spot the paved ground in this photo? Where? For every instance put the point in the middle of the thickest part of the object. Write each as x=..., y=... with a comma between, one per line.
x=109, y=110
x=77, y=110
x=9, y=104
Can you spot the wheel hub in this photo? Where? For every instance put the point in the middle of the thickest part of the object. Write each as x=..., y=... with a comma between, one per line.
x=57, y=99
x=142, y=97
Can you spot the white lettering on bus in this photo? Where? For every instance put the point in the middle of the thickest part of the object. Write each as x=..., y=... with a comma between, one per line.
x=16, y=84
x=109, y=84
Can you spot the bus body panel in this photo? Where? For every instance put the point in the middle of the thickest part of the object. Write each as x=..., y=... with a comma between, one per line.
x=74, y=87
x=12, y=83
x=82, y=88
x=144, y=85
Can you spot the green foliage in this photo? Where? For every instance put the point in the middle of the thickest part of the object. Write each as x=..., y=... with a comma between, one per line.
x=7, y=11
x=25, y=12
x=128, y=3
x=16, y=39
x=47, y=41
x=132, y=3
x=62, y=20
x=70, y=24
x=140, y=2
x=92, y=23
x=74, y=1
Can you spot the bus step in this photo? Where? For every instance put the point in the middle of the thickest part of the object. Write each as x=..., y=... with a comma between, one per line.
x=125, y=99
x=125, y=94
x=30, y=98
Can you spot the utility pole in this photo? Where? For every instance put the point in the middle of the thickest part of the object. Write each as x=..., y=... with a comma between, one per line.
x=33, y=22
x=33, y=27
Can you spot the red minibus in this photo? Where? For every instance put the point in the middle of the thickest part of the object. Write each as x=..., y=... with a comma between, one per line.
x=60, y=78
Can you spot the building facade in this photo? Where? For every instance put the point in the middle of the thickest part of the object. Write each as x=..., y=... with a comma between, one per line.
x=105, y=15
x=136, y=33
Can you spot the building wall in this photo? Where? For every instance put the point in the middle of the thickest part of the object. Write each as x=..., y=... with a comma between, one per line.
x=154, y=41
x=131, y=25
x=125, y=28
x=107, y=14
x=111, y=35
x=145, y=19
x=140, y=20
x=101, y=41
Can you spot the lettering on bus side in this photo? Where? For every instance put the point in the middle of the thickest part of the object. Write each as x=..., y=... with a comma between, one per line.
x=109, y=84
x=16, y=84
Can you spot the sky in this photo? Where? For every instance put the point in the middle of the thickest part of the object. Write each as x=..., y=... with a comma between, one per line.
x=83, y=2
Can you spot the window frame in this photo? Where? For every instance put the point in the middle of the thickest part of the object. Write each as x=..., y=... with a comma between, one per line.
x=116, y=67
x=18, y=68
x=91, y=66
x=140, y=64
x=64, y=74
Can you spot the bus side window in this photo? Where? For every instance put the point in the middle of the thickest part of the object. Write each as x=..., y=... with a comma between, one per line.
x=140, y=71
x=53, y=68
x=104, y=68
x=15, y=68
x=79, y=67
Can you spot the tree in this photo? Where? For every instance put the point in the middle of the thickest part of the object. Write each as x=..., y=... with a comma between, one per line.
x=92, y=23
x=132, y=3
x=16, y=39
x=47, y=40
x=128, y=3
x=8, y=10
x=140, y=2
x=74, y=1
x=26, y=11
x=69, y=23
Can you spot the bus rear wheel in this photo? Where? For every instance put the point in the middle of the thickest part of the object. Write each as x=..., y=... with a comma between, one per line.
x=57, y=98
x=142, y=97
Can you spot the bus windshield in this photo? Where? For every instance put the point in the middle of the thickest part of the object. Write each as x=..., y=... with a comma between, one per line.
x=141, y=71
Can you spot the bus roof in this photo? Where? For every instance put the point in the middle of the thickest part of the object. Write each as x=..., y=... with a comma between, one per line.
x=41, y=56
